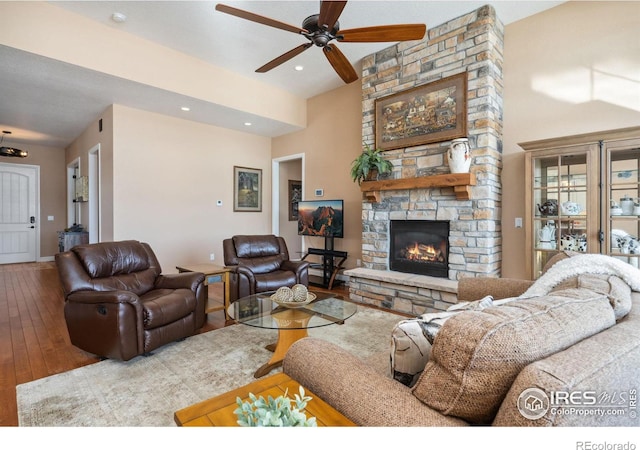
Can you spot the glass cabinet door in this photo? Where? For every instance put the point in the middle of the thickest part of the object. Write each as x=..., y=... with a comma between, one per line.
x=563, y=202
x=622, y=200
x=546, y=171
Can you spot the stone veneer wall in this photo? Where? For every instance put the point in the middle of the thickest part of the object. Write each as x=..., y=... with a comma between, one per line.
x=472, y=43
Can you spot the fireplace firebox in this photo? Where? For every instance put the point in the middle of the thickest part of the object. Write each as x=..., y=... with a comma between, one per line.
x=420, y=247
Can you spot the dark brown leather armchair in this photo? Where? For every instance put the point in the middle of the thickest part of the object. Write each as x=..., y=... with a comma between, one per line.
x=261, y=263
x=117, y=303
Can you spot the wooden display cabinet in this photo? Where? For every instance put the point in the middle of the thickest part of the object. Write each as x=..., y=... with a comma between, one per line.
x=581, y=175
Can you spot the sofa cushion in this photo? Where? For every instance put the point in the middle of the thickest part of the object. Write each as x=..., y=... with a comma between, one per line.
x=411, y=340
x=108, y=259
x=274, y=280
x=163, y=306
x=478, y=354
x=256, y=246
x=607, y=364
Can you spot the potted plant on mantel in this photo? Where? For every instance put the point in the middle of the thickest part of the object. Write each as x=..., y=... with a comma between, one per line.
x=369, y=165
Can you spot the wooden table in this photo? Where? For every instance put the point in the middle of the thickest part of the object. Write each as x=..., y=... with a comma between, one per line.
x=212, y=274
x=218, y=411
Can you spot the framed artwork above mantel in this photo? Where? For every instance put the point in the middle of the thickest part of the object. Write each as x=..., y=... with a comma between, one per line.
x=433, y=112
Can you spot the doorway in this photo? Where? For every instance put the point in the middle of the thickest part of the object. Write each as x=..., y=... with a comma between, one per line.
x=285, y=169
x=95, y=201
x=73, y=207
x=19, y=206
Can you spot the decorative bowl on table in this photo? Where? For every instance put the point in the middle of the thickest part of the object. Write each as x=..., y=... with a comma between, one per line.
x=295, y=297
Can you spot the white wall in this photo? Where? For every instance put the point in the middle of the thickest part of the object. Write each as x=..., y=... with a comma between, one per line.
x=168, y=174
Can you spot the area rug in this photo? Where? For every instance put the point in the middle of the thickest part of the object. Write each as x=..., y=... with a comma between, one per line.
x=146, y=391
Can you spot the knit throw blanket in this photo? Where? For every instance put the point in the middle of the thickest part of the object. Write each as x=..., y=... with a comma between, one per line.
x=583, y=264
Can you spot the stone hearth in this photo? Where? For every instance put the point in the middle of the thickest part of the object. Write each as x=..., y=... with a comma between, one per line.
x=404, y=292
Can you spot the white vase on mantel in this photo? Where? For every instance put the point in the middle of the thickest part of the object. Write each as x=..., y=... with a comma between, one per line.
x=459, y=156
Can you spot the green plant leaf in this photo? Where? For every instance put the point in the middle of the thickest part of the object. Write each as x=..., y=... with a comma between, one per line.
x=369, y=159
x=274, y=412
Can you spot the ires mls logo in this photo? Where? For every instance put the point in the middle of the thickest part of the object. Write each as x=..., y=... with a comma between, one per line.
x=534, y=403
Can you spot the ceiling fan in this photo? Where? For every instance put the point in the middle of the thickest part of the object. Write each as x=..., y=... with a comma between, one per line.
x=321, y=29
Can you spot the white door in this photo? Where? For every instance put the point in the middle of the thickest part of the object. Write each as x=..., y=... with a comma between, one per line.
x=18, y=202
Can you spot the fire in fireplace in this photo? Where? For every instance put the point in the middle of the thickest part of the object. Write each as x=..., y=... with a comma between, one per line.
x=423, y=252
x=420, y=247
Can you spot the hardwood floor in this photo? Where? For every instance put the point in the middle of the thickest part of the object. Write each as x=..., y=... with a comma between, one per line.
x=34, y=342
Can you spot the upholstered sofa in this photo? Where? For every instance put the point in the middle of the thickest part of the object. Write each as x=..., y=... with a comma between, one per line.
x=574, y=332
x=119, y=305
x=261, y=263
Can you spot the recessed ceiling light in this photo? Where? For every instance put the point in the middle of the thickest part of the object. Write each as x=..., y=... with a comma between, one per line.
x=299, y=68
x=247, y=124
x=118, y=17
x=185, y=108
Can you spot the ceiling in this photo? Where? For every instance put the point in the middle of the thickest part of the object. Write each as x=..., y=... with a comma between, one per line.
x=50, y=102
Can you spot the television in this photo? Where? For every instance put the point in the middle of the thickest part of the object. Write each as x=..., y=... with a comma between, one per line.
x=323, y=218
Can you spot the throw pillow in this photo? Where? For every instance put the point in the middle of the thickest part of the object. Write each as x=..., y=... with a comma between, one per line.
x=478, y=354
x=411, y=340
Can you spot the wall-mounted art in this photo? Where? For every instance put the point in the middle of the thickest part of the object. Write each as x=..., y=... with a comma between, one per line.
x=82, y=189
x=433, y=112
x=247, y=189
x=295, y=195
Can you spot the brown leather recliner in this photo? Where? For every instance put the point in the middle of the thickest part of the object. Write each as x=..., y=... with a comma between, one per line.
x=118, y=304
x=261, y=264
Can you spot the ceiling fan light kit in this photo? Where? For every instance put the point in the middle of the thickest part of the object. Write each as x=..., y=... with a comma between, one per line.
x=10, y=151
x=320, y=29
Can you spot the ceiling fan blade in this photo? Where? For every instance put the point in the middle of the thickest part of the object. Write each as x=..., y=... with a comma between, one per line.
x=283, y=58
x=329, y=13
x=340, y=63
x=384, y=33
x=259, y=19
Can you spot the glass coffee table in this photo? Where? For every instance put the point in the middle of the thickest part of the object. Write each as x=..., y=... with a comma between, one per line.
x=260, y=311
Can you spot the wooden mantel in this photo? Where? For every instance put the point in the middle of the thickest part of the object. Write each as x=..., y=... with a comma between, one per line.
x=461, y=183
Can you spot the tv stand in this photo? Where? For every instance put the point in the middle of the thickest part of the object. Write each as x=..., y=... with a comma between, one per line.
x=332, y=261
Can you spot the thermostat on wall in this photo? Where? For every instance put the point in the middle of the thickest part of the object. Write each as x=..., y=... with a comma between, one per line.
x=319, y=192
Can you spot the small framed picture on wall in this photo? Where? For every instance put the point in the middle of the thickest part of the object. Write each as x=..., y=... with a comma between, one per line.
x=247, y=189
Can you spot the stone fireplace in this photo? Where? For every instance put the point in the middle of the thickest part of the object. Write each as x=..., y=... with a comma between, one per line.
x=470, y=44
